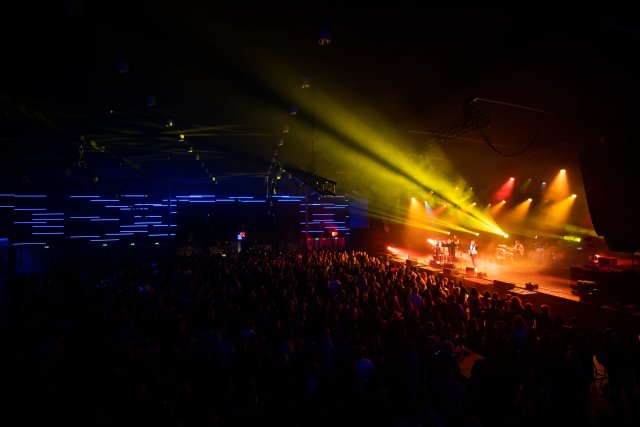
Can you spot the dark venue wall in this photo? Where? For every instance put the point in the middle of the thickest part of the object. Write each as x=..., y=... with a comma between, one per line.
x=612, y=189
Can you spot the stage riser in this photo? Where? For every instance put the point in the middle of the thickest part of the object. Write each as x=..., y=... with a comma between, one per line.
x=590, y=315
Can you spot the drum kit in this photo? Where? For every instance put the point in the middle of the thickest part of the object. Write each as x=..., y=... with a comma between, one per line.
x=504, y=252
x=442, y=252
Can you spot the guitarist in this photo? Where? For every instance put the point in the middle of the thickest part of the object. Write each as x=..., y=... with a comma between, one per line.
x=473, y=252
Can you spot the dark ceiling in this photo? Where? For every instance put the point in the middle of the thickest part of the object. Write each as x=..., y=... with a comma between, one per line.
x=105, y=88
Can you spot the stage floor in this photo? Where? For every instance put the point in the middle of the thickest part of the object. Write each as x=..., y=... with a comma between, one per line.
x=554, y=281
x=552, y=278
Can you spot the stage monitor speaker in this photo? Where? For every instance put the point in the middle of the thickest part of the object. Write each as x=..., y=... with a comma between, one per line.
x=471, y=271
x=503, y=286
x=612, y=190
x=447, y=271
x=531, y=286
x=481, y=275
x=434, y=263
x=584, y=286
x=607, y=262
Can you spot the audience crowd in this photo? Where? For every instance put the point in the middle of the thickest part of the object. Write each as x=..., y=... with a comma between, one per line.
x=301, y=339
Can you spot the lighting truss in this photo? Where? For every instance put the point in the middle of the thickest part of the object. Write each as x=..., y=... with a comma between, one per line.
x=472, y=120
x=324, y=186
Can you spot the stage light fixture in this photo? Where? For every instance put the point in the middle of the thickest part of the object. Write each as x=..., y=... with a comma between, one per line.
x=324, y=38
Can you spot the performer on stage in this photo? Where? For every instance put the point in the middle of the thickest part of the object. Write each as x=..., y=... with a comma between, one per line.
x=473, y=252
x=438, y=247
x=453, y=245
x=518, y=251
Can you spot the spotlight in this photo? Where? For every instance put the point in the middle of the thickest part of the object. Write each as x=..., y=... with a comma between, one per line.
x=324, y=38
x=305, y=82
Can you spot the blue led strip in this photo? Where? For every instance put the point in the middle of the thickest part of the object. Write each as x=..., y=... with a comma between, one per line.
x=93, y=216
x=29, y=244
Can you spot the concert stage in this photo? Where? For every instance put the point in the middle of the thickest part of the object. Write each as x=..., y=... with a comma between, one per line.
x=592, y=295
